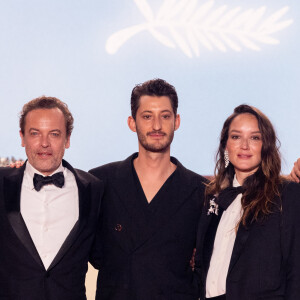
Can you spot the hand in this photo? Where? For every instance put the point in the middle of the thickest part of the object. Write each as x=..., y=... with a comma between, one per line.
x=17, y=164
x=295, y=174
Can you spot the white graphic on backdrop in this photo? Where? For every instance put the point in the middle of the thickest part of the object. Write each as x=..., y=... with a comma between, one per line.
x=188, y=26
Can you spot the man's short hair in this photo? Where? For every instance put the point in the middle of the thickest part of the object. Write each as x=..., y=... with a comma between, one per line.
x=155, y=87
x=44, y=102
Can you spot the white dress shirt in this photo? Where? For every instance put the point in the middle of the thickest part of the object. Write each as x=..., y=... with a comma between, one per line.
x=49, y=214
x=223, y=246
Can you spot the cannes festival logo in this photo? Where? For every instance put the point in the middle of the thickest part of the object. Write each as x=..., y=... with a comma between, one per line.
x=189, y=26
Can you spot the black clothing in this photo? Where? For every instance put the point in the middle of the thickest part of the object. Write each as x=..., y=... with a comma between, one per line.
x=143, y=250
x=22, y=273
x=265, y=261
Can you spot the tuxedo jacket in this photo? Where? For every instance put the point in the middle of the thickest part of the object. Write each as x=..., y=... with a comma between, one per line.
x=157, y=265
x=265, y=261
x=22, y=273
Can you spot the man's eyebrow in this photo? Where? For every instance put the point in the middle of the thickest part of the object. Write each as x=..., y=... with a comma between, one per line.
x=32, y=128
x=150, y=111
x=146, y=111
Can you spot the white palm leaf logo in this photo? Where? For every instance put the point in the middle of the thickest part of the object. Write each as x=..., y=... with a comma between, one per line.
x=184, y=24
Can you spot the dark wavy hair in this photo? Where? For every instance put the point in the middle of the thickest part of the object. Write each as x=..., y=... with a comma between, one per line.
x=45, y=102
x=155, y=87
x=262, y=186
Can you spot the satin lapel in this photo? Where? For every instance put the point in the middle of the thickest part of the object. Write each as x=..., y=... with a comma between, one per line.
x=240, y=242
x=84, y=208
x=12, y=193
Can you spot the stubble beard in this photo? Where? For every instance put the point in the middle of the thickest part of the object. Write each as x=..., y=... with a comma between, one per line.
x=155, y=147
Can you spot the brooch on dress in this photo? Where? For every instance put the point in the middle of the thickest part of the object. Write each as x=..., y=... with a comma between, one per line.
x=213, y=207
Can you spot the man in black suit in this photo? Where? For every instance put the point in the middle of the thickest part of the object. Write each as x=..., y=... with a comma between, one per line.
x=48, y=211
x=150, y=209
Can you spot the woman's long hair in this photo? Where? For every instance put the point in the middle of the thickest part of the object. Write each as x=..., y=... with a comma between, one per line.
x=260, y=187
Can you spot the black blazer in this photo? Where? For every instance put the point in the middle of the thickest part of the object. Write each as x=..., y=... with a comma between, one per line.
x=265, y=262
x=157, y=266
x=22, y=273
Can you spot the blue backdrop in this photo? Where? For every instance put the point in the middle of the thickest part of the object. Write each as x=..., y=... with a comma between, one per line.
x=90, y=54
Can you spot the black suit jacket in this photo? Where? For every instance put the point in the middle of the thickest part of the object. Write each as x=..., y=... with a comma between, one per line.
x=157, y=266
x=265, y=262
x=22, y=273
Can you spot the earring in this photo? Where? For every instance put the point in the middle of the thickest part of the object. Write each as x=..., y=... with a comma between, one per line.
x=226, y=158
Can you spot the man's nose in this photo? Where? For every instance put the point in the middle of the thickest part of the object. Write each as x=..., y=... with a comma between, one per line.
x=156, y=123
x=45, y=141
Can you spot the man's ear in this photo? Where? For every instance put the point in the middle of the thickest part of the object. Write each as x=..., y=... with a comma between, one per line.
x=67, y=145
x=22, y=139
x=131, y=123
x=177, y=121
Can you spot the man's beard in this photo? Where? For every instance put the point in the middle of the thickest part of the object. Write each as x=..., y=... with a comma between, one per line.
x=158, y=147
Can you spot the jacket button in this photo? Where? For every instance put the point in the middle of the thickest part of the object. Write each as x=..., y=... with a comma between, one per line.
x=118, y=227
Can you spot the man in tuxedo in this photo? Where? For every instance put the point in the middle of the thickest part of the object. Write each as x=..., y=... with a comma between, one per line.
x=150, y=209
x=48, y=211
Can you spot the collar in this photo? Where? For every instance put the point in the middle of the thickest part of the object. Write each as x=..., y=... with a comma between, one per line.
x=235, y=182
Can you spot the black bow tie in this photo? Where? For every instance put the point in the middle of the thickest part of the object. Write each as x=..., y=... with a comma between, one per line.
x=57, y=179
x=227, y=196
